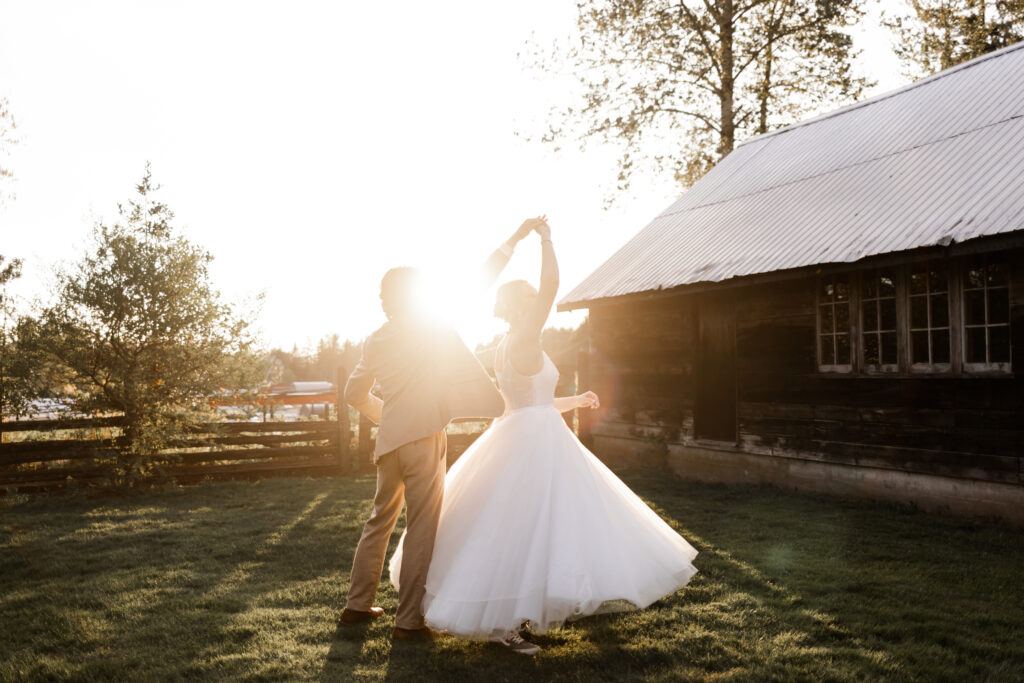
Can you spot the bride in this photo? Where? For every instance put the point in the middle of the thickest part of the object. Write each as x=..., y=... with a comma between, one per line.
x=534, y=528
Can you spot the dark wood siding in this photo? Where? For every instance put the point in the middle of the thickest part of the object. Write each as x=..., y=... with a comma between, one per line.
x=715, y=408
x=647, y=354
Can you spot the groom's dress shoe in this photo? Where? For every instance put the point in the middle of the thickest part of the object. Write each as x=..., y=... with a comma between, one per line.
x=350, y=617
x=413, y=634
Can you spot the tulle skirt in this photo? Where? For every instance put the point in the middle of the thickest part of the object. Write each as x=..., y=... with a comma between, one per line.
x=534, y=527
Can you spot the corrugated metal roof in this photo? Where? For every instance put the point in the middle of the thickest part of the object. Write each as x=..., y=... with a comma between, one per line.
x=935, y=162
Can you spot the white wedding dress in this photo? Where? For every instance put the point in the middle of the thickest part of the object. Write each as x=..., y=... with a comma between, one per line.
x=535, y=527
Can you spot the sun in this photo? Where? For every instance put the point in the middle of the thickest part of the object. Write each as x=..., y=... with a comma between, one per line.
x=445, y=297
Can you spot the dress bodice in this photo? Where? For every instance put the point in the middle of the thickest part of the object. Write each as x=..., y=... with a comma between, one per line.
x=523, y=391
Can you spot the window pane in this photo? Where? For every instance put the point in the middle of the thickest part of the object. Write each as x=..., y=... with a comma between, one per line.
x=937, y=280
x=870, y=289
x=974, y=307
x=871, y=356
x=919, y=346
x=889, y=348
x=918, y=311
x=842, y=290
x=842, y=349
x=940, y=346
x=975, y=276
x=826, y=318
x=999, y=344
x=940, y=310
x=888, y=314
x=827, y=352
x=887, y=284
x=842, y=317
x=975, y=351
x=919, y=282
x=996, y=274
x=870, y=316
x=998, y=305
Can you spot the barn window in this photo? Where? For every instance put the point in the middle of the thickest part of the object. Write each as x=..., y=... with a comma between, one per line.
x=986, y=315
x=834, y=348
x=928, y=297
x=878, y=321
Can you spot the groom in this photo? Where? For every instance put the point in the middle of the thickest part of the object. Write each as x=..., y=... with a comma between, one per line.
x=427, y=377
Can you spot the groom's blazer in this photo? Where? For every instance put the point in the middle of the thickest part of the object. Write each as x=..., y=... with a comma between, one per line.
x=427, y=377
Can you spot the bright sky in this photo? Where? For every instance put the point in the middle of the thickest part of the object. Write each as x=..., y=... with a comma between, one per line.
x=310, y=146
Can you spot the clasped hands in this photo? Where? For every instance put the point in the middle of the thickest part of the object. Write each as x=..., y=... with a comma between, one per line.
x=538, y=225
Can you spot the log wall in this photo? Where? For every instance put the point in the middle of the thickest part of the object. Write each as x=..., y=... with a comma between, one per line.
x=935, y=427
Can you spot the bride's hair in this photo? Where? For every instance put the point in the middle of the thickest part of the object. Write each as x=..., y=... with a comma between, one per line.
x=398, y=290
x=512, y=298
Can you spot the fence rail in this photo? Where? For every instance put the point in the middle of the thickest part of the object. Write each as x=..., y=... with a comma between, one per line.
x=211, y=450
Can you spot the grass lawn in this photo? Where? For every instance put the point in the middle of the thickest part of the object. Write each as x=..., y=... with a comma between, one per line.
x=244, y=581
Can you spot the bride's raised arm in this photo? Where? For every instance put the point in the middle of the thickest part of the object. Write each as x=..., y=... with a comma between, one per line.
x=499, y=258
x=537, y=316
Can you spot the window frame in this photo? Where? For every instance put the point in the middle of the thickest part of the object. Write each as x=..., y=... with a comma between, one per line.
x=931, y=367
x=838, y=368
x=863, y=365
x=988, y=367
x=955, y=270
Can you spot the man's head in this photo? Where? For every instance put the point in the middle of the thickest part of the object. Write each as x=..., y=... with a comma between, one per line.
x=398, y=291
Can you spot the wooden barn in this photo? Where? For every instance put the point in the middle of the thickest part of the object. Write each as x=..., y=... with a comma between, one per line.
x=837, y=306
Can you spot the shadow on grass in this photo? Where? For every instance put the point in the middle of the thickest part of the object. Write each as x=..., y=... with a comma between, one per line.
x=203, y=586
x=245, y=581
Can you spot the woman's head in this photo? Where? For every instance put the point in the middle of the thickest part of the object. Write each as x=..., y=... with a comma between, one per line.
x=513, y=300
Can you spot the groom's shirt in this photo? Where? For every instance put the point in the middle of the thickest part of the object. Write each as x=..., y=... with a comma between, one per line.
x=426, y=376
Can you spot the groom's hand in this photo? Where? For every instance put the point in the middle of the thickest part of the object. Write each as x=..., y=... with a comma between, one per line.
x=520, y=234
x=528, y=226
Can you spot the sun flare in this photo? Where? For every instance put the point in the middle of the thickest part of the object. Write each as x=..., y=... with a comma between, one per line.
x=443, y=296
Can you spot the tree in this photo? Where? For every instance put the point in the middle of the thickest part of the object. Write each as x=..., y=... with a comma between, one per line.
x=697, y=76
x=138, y=328
x=8, y=139
x=937, y=34
x=12, y=397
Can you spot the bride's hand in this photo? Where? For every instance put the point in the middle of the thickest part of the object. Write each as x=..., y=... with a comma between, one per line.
x=588, y=399
x=540, y=225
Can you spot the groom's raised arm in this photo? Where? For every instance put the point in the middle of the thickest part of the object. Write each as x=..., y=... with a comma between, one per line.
x=498, y=259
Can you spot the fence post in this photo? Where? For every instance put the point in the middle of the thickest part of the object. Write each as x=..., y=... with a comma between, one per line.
x=344, y=428
x=365, y=458
x=585, y=419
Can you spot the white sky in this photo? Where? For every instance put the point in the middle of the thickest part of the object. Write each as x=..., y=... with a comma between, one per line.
x=311, y=145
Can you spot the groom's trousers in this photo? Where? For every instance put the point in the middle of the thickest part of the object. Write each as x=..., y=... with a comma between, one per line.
x=413, y=473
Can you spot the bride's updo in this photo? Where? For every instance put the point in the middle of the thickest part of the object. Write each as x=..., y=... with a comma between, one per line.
x=513, y=299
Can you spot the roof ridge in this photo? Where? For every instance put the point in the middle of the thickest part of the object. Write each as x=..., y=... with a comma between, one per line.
x=1002, y=52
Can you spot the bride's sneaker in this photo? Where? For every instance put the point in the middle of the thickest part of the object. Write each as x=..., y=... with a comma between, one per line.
x=513, y=641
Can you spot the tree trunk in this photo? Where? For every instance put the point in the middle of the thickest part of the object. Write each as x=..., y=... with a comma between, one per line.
x=725, y=33
x=765, y=91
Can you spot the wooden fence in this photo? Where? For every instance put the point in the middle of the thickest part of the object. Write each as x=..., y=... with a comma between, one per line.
x=41, y=454
x=218, y=450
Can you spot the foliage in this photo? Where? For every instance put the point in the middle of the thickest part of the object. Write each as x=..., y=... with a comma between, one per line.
x=137, y=328
x=321, y=365
x=8, y=139
x=240, y=581
x=937, y=34
x=13, y=395
x=675, y=83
